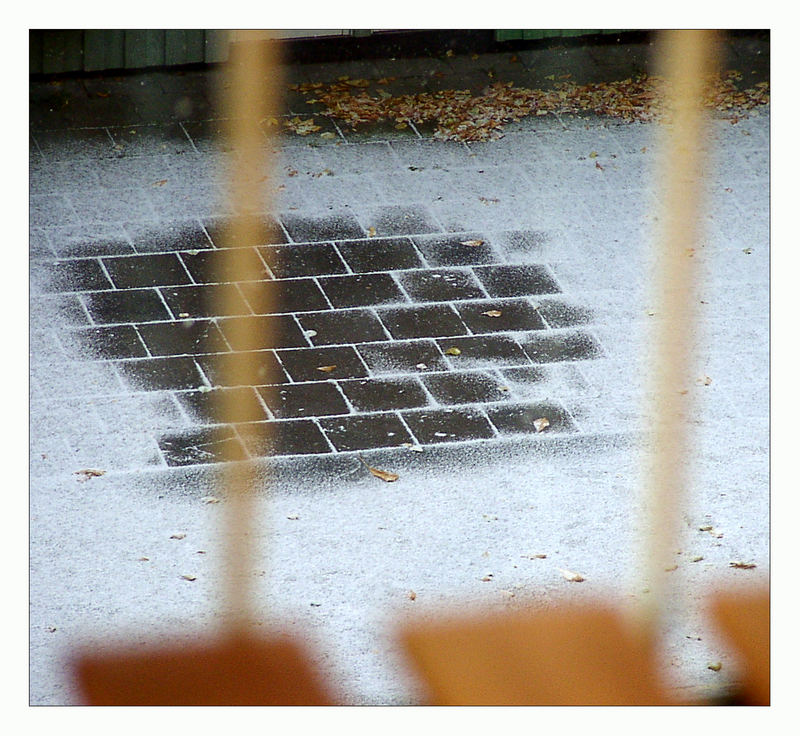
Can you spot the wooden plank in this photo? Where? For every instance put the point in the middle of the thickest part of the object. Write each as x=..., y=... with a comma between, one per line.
x=144, y=48
x=103, y=49
x=35, y=52
x=216, y=46
x=184, y=46
x=62, y=51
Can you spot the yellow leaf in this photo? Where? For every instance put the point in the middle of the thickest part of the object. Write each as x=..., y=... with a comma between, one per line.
x=493, y=313
x=716, y=666
x=593, y=154
x=541, y=424
x=382, y=474
x=372, y=232
x=742, y=565
x=326, y=368
x=472, y=243
x=452, y=351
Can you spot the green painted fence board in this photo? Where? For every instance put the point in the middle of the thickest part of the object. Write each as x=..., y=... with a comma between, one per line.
x=144, y=48
x=103, y=50
x=63, y=52
x=535, y=34
x=184, y=47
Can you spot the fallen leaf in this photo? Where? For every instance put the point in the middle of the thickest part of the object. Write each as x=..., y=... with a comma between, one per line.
x=704, y=380
x=593, y=154
x=326, y=368
x=190, y=578
x=705, y=528
x=327, y=135
x=696, y=558
x=183, y=315
x=382, y=474
x=541, y=424
x=538, y=556
x=88, y=473
x=487, y=578
x=143, y=559
x=452, y=351
x=209, y=499
x=493, y=313
x=372, y=232
x=293, y=517
x=160, y=183
x=473, y=243
x=488, y=200
x=597, y=166
x=179, y=535
x=412, y=595
x=742, y=565
x=672, y=568
x=748, y=251
x=572, y=577
x=716, y=666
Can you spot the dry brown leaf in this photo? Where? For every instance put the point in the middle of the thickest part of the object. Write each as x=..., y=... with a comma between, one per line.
x=87, y=473
x=739, y=565
x=492, y=313
x=541, y=424
x=326, y=368
x=160, y=183
x=572, y=577
x=382, y=474
x=412, y=595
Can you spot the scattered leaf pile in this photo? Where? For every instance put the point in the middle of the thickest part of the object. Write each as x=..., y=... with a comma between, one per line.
x=462, y=116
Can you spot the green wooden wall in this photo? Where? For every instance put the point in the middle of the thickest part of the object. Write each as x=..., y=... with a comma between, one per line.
x=537, y=34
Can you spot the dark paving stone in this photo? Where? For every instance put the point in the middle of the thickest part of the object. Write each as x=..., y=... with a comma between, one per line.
x=399, y=220
x=186, y=337
x=448, y=425
x=83, y=241
x=549, y=348
x=380, y=254
x=342, y=327
x=160, y=374
x=245, y=404
x=306, y=365
x=516, y=314
x=222, y=266
x=559, y=313
x=365, y=431
x=130, y=305
x=519, y=418
x=288, y=437
x=132, y=272
x=449, y=250
x=79, y=275
x=200, y=446
x=526, y=376
x=310, y=259
x=106, y=342
x=307, y=229
x=428, y=321
x=503, y=281
x=440, y=285
x=360, y=290
x=465, y=388
x=171, y=236
x=310, y=399
x=205, y=301
x=384, y=394
x=266, y=231
x=262, y=332
x=412, y=356
x=286, y=295
x=484, y=351
x=218, y=368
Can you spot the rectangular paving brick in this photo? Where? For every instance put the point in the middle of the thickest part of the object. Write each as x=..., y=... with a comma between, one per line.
x=342, y=327
x=573, y=345
x=307, y=259
x=205, y=300
x=215, y=266
x=307, y=229
x=160, y=374
x=514, y=419
x=440, y=285
x=515, y=315
x=309, y=399
x=120, y=341
x=203, y=405
x=262, y=332
x=455, y=250
x=408, y=356
x=385, y=394
x=284, y=437
x=266, y=230
x=431, y=426
x=465, y=387
x=286, y=295
x=217, y=368
x=129, y=305
x=438, y=320
x=380, y=254
x=200, y=446
x=507, y=281
x=132, y=272
x=481, y=351
x=185, y=337
x=361, y=290
x=322, y=364
x=365, y=431
x=84, y=274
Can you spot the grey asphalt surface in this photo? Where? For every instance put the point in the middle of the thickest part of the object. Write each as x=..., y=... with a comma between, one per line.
x=342, y=551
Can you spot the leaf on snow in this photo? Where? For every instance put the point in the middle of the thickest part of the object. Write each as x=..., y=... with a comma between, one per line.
x=572, y=577
x=87, y=473
x=739, y=565
x=382, y=474
x=541, y=424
